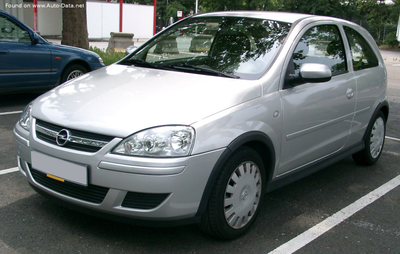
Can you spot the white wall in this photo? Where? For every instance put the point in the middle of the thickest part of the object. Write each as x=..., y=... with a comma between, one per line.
x=14, y=7
x=103, y=18
x=28, y=16
x=138, y=19
x=49, y=19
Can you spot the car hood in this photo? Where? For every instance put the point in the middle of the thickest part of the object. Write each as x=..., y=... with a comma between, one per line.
x=65, y=48
x=71, y=48
x=119, y=100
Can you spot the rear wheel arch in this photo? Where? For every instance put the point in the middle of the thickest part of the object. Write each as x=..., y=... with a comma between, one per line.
x=382, y=107
x=374, y=137
x=385, y=109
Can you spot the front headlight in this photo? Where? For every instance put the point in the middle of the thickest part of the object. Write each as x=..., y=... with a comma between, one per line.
x=25, y=120
x=166, y=141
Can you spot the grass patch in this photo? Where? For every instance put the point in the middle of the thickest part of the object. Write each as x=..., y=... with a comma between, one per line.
x=108, y=56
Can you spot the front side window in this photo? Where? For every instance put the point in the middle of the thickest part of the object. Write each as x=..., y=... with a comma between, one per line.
x=363, y=56
x=320, y=44
x=223, y=46
x=11, y=32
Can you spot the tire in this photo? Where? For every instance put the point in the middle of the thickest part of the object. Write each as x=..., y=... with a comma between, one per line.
x=236, y=197
x=72, y=71
x=374, y=141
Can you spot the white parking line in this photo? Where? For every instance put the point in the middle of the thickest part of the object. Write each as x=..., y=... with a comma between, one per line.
x=395, y=139
x=10, y=113
x=10, y=170
x=313, y=233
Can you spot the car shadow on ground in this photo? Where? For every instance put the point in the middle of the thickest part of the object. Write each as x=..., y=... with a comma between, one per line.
x=14, y=100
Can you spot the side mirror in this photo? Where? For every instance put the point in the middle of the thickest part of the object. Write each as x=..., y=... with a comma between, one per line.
x=35, y=38
x=315, y=72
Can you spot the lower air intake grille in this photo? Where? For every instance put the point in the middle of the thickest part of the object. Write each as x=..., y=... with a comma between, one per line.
x=143, y=200
x=91, y=193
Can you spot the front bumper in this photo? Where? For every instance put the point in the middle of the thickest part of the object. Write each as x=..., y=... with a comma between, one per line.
x=148, y=189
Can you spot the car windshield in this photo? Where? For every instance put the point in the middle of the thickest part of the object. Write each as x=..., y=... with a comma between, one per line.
x=222, y=46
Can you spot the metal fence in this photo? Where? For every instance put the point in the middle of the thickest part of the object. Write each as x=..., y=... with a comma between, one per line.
x=384, y=32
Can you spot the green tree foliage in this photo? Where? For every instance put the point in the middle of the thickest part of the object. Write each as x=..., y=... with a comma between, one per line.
x=174, y=7
x=391, y=39
x=375, y=15
x=168, y=8
x=348, y=10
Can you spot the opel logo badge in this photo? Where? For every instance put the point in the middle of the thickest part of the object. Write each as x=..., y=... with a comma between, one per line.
x=62, y=137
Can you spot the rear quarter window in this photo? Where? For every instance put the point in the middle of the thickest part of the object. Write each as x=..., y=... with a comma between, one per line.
x=363, y=56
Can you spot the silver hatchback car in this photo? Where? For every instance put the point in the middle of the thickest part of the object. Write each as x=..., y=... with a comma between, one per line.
x=197, y=124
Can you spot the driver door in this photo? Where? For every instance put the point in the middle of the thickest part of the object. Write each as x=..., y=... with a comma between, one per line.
x=317, y=117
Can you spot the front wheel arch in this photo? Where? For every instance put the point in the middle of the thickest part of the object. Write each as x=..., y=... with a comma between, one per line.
x=83, y=64
x=256, y=140
x=236, y=196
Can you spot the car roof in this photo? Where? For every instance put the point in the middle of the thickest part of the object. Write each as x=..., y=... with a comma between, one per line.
x=271, y=15
x=5, y=13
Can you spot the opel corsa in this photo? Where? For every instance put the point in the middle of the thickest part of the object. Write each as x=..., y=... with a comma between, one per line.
x=197, y=124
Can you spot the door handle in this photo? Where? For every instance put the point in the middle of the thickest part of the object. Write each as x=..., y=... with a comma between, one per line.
x=4, y=52
x=349, y=93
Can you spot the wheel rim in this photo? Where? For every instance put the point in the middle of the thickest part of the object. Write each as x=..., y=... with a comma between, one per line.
x=377, y=137
x=242, y=195
x=74, y=74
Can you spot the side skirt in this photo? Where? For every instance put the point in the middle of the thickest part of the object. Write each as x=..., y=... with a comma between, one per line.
x=310, y=169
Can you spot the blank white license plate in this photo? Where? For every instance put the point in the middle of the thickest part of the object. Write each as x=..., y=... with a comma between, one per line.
x=59, y=169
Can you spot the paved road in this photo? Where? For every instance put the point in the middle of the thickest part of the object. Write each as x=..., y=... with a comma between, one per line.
x=31, y=224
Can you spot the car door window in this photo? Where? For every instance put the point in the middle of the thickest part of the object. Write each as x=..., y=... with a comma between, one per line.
x=363, y=56
x=320, y=44
x=11, y=32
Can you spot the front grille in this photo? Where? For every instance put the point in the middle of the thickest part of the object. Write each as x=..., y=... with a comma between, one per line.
x=143, y=200
x=77, y=140
x=91, y=193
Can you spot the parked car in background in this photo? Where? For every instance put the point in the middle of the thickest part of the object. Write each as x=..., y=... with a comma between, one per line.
x=197, y=132
x=130, y=49
x=29, y=62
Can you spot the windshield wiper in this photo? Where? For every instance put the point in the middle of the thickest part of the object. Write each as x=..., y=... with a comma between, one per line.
x=141, y=63
x=179, y=67
x=201, y=70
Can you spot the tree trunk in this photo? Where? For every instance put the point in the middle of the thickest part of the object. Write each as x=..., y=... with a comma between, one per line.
x=74, y=24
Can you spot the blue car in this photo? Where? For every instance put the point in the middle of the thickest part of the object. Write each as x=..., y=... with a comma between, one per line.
x=29, y=62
